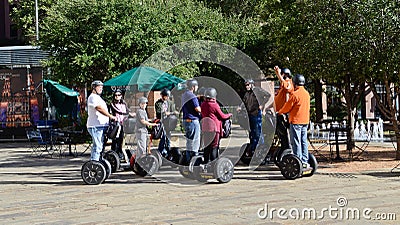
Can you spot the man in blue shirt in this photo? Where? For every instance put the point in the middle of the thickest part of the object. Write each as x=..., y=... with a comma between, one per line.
x=191, y=116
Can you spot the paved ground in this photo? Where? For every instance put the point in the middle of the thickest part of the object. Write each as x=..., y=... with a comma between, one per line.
x=50, y=191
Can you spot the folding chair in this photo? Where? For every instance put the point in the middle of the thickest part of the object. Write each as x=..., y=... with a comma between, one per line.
x=37, y=143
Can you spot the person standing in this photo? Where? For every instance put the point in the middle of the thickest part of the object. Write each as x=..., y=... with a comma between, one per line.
x=254, y=109
x=298, y=107
x=211, y=124
x=286, y=88
x=98, y=118
x=142, y=123
x=191, y=117
x=120, y=110
x=165, y=109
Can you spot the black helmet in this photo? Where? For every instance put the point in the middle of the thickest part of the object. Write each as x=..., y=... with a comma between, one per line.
x=299, y=80
x=287, y=72
x=249, y=81
x=117, y=91
x=143, y=100
x=191, y=83
x=201, y=91
x=96, y=83
x=210, y=93
x=165, y=92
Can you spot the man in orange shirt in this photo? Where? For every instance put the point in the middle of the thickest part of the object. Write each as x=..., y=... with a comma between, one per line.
x=298, y=107
x=285, y=90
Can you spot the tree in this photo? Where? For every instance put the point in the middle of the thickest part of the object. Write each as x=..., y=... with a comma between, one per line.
x=24, y=16
x=91, y=39
x=381, y=60
x=328, y=40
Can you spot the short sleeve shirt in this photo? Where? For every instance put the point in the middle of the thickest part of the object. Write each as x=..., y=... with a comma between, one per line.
x=141, y=115
x=189, y=103
x=95, y=118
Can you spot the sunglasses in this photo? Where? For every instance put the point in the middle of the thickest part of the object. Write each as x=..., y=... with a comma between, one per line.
x=247, y=84
x=118, y=95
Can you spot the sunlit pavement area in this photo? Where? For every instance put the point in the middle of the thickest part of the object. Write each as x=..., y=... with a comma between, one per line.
x=44, y=190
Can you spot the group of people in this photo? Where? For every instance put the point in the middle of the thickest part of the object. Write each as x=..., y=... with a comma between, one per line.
x=205, y=108
x=292, y=99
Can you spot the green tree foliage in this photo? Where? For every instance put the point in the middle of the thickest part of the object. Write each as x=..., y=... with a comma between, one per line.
x=91, y=39
x=24, y=16
x=344, y=43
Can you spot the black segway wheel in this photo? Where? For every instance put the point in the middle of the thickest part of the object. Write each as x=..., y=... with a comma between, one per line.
x=245, y=156
x=93, y=172
x=223, y=170
x=278, y=155
x=313, y=164
x=291, y=166
x=195, y=168
x=146, y=165
x=113, y=158
x=106, y=165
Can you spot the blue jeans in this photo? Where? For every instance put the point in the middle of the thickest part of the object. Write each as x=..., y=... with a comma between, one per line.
x=192, y=134
x=298, y=139
x=255, y=131
x=163, y=146
x=97, y=134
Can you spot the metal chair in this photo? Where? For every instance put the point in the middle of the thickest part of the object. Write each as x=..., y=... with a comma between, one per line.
x=44, y=141
x=316, y=149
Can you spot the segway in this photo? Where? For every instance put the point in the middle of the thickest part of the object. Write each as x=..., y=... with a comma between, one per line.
x=221, y=169
x=147, y=164
x=96, y=172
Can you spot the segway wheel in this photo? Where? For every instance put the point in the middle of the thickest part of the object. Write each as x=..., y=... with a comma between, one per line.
x=158, y=155
x=195, y=168
x=146, y=165
x=93, y=172
x=184, y=171
x=245, y=157
x=223, y=170
x=106, y=165
x=113, y=158
x=291, y=167
x=278, y=155
x=132, y=160
x=313, y=164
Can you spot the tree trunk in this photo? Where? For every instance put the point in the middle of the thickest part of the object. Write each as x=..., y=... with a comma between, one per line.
x=397, y=134
x=318, y=101
x=351, y=112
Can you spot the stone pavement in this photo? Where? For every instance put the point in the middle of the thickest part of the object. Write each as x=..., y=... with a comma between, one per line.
x=50, y=191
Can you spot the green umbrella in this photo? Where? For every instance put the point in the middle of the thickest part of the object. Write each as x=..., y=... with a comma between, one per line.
x=63, y=98
x=144, y=79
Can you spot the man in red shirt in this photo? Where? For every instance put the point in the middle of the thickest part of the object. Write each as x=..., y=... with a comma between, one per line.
x=298, y=107
x=285, y=90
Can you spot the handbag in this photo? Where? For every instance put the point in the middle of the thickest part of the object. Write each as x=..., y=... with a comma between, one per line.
x=226, y=128
x=113, y=130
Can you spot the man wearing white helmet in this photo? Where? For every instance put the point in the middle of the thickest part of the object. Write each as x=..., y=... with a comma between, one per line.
x=98, y=118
